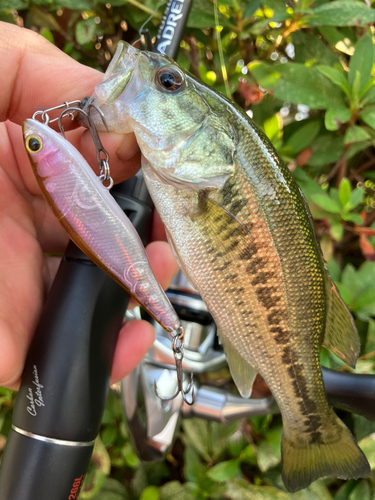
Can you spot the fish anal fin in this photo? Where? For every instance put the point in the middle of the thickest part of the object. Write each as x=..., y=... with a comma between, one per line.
x=304, y=462
x=242, y=372
x=341, y=336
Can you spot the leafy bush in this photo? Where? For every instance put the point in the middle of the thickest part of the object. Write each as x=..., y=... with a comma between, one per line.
x=304, y=70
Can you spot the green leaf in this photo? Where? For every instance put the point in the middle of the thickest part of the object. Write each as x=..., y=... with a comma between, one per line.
x=196, y=434
x=337, y=231
x=365, y=300
x=202, y=15
x=300, y=139
x=272, y=128
x=340, y=13
x=361, y=62
x=362, y=426
x=46, y=32
x=224, y=471
x=325, y=202
x=76, y=4
x=194, y=470
x=109, y=435
x=297, y=83
x=251, y=7
x=316, y=491
x=8, y=5
x=362, y=491
x=274, y=4
x=150, y=493
x=336, y=77
x=131, y=459
x=174, y=490
x=367, y=93
x=356, y=134
x=311, y=50
x=335, y=117
x=345, y=189
x=326, y=149
x=242, y=490
x=85, y=30
x=337, y=39
x=110, y=490
x=356, y=196
x=356, y=218
x=368, y=116
x=267, y=457
x=350, y=280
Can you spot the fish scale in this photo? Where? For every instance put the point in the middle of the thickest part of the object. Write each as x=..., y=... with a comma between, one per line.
x=243, y=235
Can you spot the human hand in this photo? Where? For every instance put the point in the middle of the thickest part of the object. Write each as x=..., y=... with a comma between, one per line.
x=35, y=73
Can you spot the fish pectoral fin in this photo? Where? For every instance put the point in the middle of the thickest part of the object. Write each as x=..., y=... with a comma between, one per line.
x=341, y=336
x=242, y=372
x=206, y=158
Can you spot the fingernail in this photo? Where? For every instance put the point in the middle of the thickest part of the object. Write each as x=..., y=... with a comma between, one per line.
x=128, y=148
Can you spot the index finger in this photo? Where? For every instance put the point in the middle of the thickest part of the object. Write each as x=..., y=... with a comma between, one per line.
x=34, y=71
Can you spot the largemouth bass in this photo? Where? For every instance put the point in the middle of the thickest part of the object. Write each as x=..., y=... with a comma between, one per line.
x=93, y=219
x=243, y=235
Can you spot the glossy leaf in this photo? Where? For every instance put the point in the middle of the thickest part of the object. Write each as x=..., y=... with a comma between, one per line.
x=8, y=5
x=356, y=218
x=327, y=203
x=272, y=128
x=361, y=62
x=242, y=490
x=335, y=117
x=356, y=134
x=150, y=493
x=175, y=490
x=356, y=196
x=197, y=435
x=368, y=116
x=302, y=138
x=85, y=30
x=267, y=457
x=362, y=491
x=340, y=13
x=250, y=8
x=297, y=83
x=224, y=471
x=202, y=15
x=336, y=77
x=326, y=149
x=310, y=50
x=75, y=4
x=344, y=191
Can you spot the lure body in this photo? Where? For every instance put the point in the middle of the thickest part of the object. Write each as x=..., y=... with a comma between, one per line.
x=93, y=219
x=243, y=235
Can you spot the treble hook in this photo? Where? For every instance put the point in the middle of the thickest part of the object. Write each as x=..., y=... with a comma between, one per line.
x=178, y=351
x=103, y=162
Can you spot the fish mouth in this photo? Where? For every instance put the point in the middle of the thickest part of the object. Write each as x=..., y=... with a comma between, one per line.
x=115, y=81
x=118, y=73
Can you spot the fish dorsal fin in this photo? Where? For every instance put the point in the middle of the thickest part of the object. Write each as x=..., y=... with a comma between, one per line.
x=341, y=336
x=242, y=372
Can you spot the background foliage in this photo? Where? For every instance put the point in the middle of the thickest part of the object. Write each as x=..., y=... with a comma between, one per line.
x=304, y=70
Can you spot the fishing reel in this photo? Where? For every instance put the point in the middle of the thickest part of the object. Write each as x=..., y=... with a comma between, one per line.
x=154, y=423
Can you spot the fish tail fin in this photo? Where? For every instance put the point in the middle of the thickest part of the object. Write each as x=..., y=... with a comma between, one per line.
x=329, y=452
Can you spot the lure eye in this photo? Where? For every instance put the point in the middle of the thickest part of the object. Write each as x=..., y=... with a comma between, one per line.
x=34, y=144
x=170, y=79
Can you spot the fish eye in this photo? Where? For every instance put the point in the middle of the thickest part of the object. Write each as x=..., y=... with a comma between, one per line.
x=34, y=144
x=170, y=79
